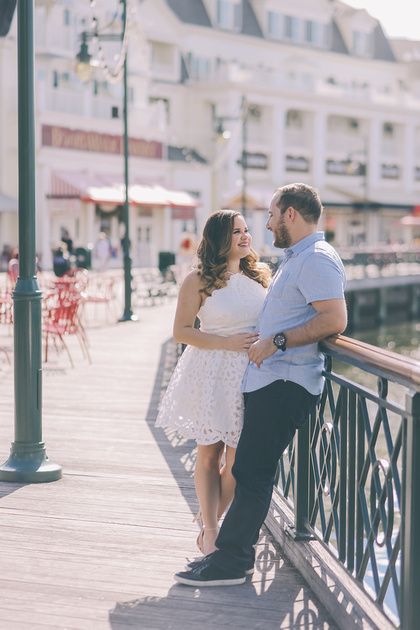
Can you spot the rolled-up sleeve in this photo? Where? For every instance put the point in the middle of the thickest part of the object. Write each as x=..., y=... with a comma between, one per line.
x=321, y=278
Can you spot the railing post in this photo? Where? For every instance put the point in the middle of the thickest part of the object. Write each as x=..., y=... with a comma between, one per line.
x=410, y=562
x=301, y=531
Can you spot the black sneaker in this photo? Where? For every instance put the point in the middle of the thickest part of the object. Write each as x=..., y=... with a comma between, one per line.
x=196, y=563
x=206, y=574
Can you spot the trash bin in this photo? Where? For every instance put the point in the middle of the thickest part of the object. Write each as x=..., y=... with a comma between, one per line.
x=61, y=263
x=83, y=257
x=166, y=259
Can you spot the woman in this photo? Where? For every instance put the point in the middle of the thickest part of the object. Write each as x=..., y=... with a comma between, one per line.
x=203, y=400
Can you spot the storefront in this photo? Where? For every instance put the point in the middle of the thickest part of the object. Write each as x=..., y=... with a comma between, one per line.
x=89, y=205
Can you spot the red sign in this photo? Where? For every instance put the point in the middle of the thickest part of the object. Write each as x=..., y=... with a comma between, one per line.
x=81, y=140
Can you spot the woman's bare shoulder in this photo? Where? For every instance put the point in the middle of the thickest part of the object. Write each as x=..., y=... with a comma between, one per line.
x=192, y=281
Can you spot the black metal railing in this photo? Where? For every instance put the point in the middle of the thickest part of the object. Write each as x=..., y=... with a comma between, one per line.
x=353, y=473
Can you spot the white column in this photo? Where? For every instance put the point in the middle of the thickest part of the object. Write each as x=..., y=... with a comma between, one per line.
x=43, y=236
x=374, y=143
x=278, y=156
x=373, y=229
x=133, y=214
x=258, y=229
x=167, y=229
x=233, y=169
x=408, y=159
x=90, y=235
x=319, y=149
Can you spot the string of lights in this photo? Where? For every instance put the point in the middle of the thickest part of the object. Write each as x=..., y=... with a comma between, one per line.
x=112, y=74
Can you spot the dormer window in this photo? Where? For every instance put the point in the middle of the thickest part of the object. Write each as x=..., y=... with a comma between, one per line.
x=229, y=14
x=274, y=25
x=362, y=44
x=292, y=28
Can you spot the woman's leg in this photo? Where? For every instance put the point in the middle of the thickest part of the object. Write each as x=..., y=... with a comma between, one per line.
x=227, y=481
x=207, y=487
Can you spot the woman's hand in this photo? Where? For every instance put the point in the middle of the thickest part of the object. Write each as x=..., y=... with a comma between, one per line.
x=240, y=342
x=261, y=350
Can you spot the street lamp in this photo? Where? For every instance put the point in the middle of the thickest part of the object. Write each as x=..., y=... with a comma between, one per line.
x=28, y=461
x=221, y=132
x=84, y=70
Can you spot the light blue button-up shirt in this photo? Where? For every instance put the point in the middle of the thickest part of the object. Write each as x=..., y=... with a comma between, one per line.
x=311, y=270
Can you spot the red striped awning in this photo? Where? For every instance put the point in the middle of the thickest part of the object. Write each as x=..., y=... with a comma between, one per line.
x=106, y=188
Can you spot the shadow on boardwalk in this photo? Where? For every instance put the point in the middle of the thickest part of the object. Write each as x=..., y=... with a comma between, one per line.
x=273, y=599
x=276, y=597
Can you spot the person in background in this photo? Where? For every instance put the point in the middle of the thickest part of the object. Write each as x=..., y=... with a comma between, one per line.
x=102, y=251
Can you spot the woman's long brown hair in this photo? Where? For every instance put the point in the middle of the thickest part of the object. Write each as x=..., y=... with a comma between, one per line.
x=213, y=252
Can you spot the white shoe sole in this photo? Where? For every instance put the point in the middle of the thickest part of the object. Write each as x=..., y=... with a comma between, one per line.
x=247, y=572
x=200, y=584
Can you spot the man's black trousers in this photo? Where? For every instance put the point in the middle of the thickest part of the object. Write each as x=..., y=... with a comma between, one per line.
x=272, y=415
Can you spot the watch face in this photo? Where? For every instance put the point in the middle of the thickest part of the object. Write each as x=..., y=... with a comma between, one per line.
x=280, y=341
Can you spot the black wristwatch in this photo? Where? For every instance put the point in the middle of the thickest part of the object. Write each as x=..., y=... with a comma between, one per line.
x=280, y=341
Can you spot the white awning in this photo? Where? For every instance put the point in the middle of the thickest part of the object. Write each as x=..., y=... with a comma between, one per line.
x=110, y=189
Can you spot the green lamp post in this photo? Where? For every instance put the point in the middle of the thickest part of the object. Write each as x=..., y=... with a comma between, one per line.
x=28, y=461
x=84, y=70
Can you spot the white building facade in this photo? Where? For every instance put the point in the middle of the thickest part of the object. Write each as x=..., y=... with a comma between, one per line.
x=228, y=99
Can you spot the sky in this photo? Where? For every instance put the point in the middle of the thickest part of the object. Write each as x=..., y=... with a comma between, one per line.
x=398, y=19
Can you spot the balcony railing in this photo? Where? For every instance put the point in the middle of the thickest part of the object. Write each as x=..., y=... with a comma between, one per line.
x=353, y=473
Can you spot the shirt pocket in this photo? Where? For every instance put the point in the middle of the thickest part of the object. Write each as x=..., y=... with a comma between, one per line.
x=287, y=293
x=277, y=289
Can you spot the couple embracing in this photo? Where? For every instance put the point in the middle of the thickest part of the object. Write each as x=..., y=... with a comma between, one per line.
x=252, y=372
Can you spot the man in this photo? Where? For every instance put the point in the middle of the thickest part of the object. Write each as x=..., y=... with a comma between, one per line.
x=305, y=303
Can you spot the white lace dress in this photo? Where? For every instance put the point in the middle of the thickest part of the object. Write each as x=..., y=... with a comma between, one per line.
x=203, y=400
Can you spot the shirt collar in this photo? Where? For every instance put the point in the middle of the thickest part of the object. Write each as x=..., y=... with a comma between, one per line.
x=304, y=243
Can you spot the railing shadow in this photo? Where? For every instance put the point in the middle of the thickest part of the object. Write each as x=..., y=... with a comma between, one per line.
x=276, y=597
x=272, y=600
x=6, y=488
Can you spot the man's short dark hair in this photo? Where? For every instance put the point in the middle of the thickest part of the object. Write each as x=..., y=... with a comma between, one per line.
x=302, y=198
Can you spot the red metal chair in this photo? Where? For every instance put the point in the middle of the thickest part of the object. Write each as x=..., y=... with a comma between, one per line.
x=61, y=319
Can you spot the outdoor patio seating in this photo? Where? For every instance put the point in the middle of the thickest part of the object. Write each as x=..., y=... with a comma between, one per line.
x=151, y=288
x=62, y=319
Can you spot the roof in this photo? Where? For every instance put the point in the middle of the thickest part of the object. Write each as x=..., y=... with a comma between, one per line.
x=381, y=46
x=337, y=41
x=7, y=9
x=194, y=12
x=250, y=25
x=190, y=11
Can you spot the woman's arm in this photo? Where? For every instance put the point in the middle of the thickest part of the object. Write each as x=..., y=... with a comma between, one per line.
x=189, y=302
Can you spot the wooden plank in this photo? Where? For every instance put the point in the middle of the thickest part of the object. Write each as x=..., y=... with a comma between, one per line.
x=98, y=548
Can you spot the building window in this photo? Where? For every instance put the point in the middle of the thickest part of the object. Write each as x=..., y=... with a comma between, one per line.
x=361, y=44
x=274, y=25
x=229, y=14
x=388, y=129
x=100, y=88
x=199, y=68
x=55, y=79
x=66, y=17
x=162, y=54
x=292, y=28
x=164, y=103
x=294, y=119
x=310, y=31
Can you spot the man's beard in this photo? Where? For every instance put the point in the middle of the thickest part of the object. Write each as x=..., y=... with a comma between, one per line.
x=282, y=236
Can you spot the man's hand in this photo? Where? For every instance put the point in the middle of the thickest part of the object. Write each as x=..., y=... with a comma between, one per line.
x=261, y=350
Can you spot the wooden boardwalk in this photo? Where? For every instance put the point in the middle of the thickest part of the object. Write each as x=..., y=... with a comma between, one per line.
x=98, y=548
